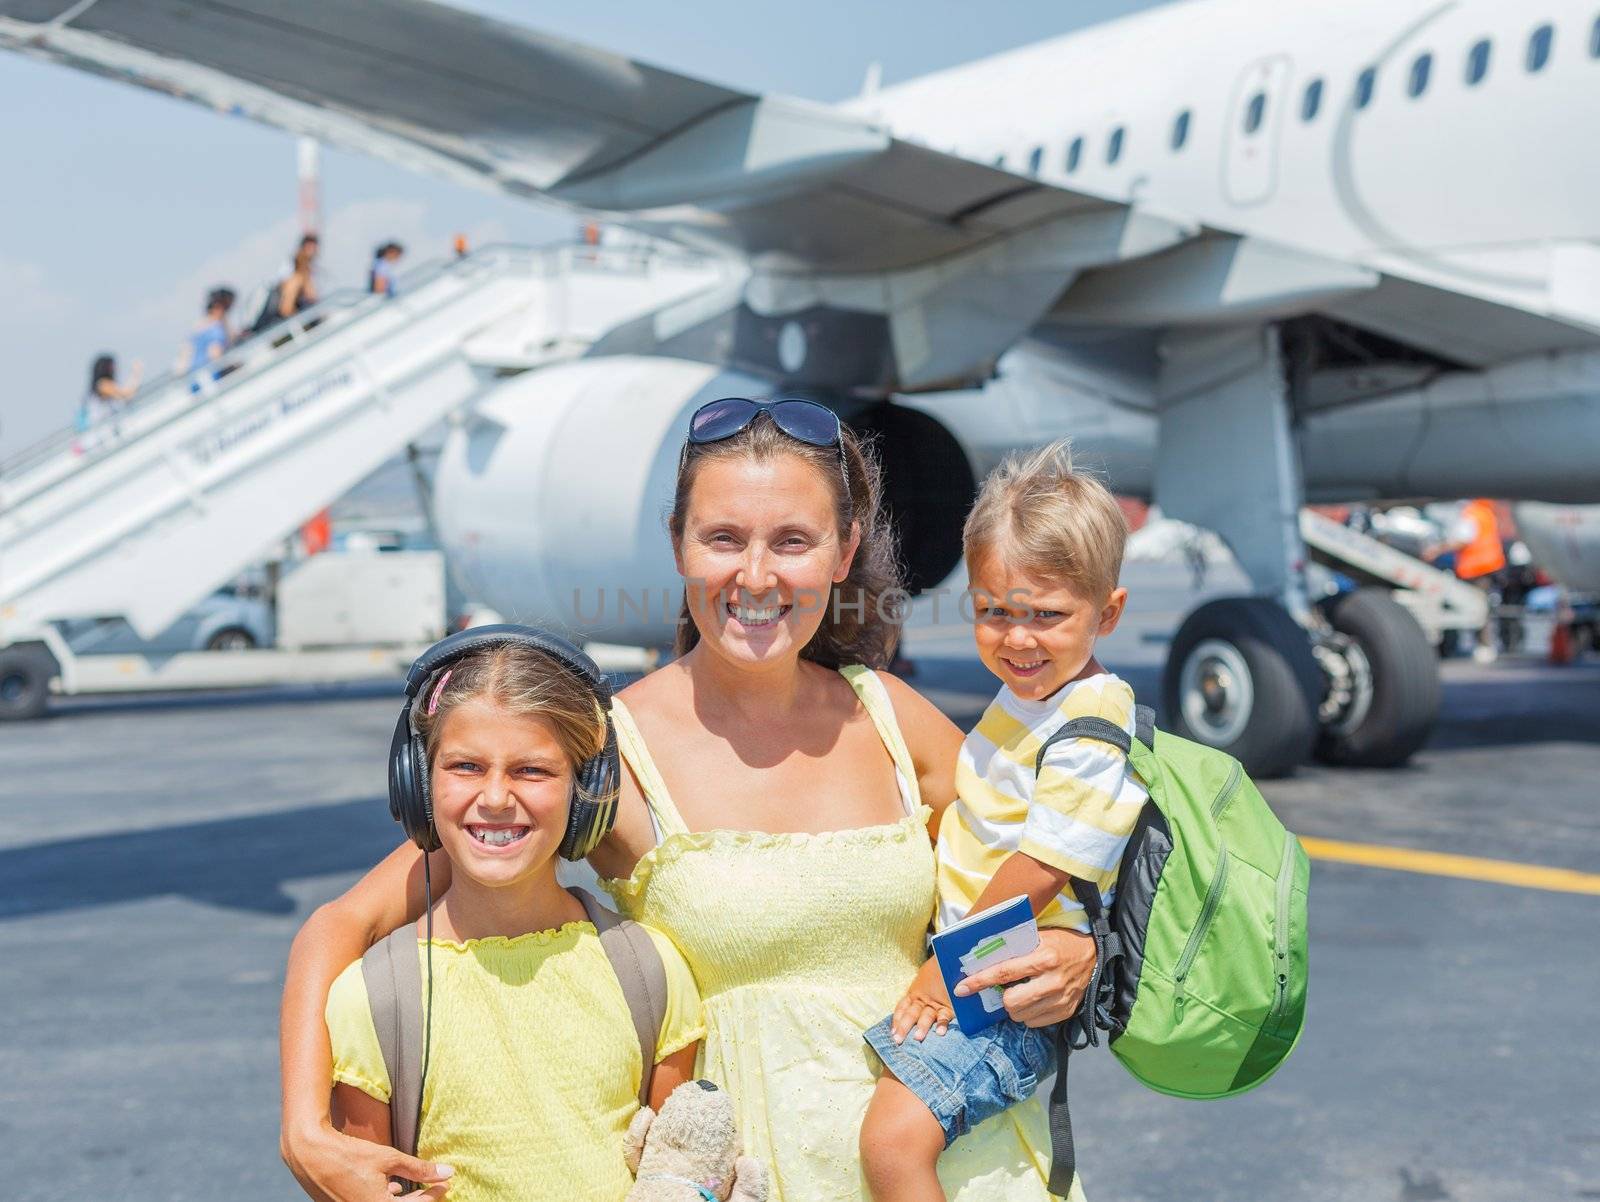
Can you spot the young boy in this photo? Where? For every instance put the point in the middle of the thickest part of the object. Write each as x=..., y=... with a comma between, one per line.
x=1044, y=549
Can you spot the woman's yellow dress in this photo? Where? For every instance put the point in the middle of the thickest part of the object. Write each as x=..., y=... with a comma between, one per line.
x=799, y=943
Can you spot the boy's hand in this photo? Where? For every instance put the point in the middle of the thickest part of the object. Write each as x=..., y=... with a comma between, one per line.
x=925, y=1007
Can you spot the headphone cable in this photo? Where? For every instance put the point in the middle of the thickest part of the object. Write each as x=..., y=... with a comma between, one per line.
x=427, y=1026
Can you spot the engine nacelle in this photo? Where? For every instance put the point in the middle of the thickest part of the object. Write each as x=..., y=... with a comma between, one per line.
x=552, y=495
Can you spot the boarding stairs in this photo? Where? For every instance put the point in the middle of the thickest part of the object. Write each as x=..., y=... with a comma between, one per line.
x=202, y=474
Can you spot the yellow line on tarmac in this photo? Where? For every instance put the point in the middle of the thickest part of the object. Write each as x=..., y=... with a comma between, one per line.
x=1438, y=863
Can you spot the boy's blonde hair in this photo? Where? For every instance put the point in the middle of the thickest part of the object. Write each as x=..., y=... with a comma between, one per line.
x=1050, y=520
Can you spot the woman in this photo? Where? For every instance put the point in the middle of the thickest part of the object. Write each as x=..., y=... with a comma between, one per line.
x=105, y=395
x=774, y=821
x=296, y=292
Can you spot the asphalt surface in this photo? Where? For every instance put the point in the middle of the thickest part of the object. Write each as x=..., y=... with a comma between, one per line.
x=157, y=855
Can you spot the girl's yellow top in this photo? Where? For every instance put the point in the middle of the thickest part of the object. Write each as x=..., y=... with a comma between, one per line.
x=534, y=1072
x=799, y=943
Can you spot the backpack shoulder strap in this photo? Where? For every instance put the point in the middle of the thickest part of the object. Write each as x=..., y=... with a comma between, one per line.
x=393, y=977
x=641, y=974
x=1144, y=732
x=1083, y=1029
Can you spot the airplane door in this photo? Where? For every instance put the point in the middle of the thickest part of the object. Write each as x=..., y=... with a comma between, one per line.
x=1250, y=148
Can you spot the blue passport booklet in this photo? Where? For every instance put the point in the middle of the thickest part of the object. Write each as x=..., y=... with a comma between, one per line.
x=976, y=942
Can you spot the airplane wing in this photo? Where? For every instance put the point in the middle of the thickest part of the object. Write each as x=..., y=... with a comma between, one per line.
x=906, y=268
x=489, y=103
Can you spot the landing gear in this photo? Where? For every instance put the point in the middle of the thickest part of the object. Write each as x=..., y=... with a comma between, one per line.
x=25, y=672
x=1241, y=677
x=1383, y=681
x=1272, y=678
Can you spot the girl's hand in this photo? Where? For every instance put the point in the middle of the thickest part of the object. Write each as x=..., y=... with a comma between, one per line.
x=925, y=1007
x=1046, y=985
x=332, y=1167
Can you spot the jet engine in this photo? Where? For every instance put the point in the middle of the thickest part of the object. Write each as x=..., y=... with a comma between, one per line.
x=551, y=495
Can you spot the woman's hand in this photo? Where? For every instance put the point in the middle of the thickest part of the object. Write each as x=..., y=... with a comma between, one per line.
x=332, y=1167
x=925, y=1007
x=1046, y=985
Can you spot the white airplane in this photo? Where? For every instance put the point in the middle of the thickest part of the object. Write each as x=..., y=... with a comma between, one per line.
x=1249, y=253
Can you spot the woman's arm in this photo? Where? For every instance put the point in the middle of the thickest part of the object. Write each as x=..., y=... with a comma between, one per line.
x=934, y=742
x=1046, y=985
x=332, y=1167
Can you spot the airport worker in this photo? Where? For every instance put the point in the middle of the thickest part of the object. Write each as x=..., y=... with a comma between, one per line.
x=1043, y=546
x=106, y=395
x=1475, y=551
x=774, y=821
x=385, y=263
x=1481, y=551
x=533, y=1061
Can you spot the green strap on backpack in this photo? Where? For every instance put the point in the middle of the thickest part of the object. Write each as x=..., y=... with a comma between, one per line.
x=1200, y=972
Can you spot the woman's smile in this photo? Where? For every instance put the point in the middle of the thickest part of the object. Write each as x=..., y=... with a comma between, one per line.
x=756, y=617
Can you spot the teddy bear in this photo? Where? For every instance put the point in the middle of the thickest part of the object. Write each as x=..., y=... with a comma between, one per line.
x=690, y=1152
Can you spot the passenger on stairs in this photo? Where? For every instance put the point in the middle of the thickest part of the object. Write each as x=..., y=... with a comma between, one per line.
x=294, y=293
x=385, y=262
x=210, y=337
x=105, y=396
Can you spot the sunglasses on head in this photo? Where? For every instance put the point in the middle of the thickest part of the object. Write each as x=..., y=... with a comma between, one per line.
x=804, y=421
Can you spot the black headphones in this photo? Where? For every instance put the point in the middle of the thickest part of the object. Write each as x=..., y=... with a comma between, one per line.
x=593, y=809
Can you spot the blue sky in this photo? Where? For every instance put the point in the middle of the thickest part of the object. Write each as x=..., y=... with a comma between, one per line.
x=121, y=207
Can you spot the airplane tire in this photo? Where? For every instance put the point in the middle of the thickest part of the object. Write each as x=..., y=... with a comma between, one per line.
x=1401, y=704
x=1240, y=676
x=25, y=673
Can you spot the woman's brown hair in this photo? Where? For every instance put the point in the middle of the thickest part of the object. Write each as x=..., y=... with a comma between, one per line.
x=862, y=619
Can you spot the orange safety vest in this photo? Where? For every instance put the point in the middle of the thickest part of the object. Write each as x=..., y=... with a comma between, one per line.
x=1484, y=554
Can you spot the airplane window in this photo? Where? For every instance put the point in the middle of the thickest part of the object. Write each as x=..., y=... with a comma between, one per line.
x=1035, y=160
x=1420, y=71
x=1180, y=130
x=1254, y=112
x=1478, y=62
x=1114, y=147
x=1365, y=83
x=1074, y=155
x=1539, y=47
x=1312, y=101
x=1594, y=40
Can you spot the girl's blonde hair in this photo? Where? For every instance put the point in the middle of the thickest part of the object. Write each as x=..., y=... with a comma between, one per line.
x=522, y=681
x=1049, y=519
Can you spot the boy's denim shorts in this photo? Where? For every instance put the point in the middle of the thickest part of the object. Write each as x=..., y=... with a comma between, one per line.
x=965, y=1079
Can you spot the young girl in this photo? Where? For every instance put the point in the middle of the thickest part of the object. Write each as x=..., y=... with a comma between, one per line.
x=532, y=1064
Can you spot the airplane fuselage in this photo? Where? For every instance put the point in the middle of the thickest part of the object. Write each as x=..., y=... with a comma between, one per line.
x=1443, y=142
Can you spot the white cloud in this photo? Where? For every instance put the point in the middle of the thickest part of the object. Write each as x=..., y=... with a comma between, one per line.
x=28, y=296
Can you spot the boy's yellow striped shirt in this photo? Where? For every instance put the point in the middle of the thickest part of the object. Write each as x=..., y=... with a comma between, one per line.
x=1075, y=814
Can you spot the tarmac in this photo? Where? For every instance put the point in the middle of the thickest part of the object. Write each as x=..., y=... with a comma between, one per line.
x=158, y=853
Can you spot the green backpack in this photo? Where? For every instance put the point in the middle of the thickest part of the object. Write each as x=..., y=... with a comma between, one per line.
x=1200, y=977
